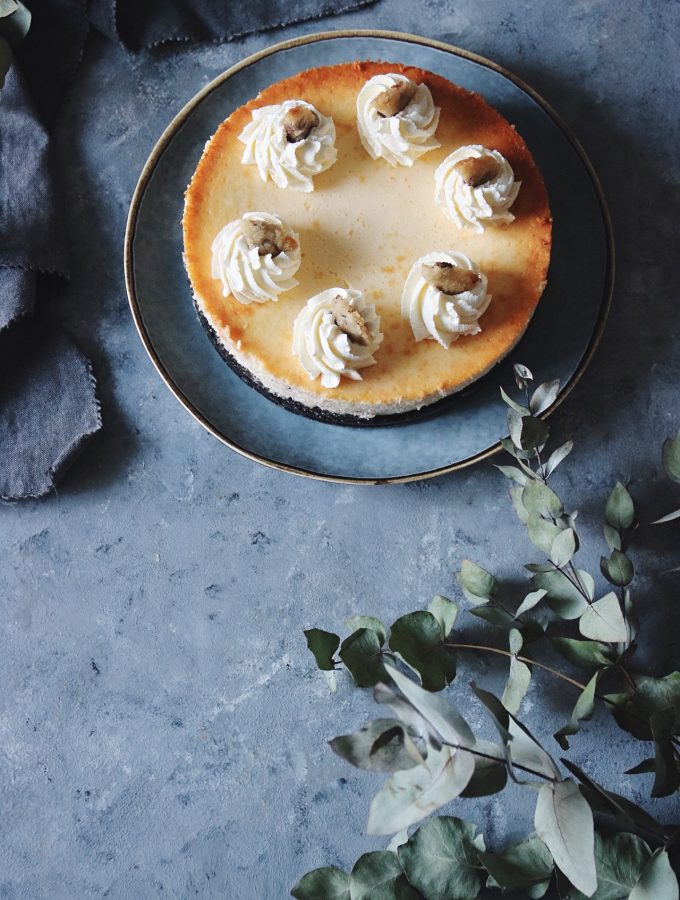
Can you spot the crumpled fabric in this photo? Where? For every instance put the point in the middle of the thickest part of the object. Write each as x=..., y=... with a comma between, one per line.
x=147, y=23
x=48, y=402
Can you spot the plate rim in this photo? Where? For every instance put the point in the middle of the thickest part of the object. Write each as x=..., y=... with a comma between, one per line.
x=178, y=120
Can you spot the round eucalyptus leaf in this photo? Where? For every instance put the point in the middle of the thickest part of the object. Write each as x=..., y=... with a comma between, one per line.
x=618, y=569
x=671, y=457
x=441, y=859
x=619, y=510
x=328, y=883
x=379, y=876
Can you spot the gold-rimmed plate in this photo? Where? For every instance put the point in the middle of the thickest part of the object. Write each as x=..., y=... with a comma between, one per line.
x=558, y=344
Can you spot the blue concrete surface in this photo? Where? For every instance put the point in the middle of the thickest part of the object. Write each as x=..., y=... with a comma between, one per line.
x=162, y=731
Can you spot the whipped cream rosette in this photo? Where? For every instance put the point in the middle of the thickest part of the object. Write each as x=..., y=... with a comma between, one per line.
x=255, y=257
x=476, y=187
x=444, y=296
x=336, y=334
x=396, y=119
x=289, y=143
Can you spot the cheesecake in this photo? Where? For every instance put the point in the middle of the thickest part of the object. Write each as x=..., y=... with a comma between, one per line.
x=365, y=239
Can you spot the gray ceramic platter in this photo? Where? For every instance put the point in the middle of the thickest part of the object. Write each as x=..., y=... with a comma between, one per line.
x=559, y=342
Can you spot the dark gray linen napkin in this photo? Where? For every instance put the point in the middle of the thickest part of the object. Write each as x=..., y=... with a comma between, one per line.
x=48, y=403
x=147, y=23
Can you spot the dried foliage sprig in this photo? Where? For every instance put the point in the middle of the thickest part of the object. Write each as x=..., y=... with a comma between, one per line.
x=432, y=755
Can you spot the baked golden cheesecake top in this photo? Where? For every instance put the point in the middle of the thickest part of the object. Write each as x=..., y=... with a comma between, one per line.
x=368, y=232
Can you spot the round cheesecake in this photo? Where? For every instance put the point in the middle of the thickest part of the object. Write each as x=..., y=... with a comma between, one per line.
x=367, y=229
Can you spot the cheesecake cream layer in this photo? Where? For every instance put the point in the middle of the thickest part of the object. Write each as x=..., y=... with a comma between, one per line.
x=362, y=227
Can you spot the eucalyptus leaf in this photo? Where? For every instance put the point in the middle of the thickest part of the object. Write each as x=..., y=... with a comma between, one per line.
x=523, y=376
x=564, y=822
x=379, y=876
x=619, y=862
x=383, y=745
x=561, y=595
x=440, y=859
x=631, y=616
x=445, y=612
x=514, y=474
x=328, y=883
x=584, y=709
x=612, y=537
x=518, y=407
x=520, y=746
x=668, y=518
x=356, y=622
x=361, y=653
x=15, y=23
x=602, y=800
x=520, y=866
x=530, y=601
x=632, y=711
x=619, y=511
x=477, y=584
x=558, y=456
x=413, y=794
x=542, y=533
x=618, y=569
x=440, y=714
x=664, y=724
x=647, y=766
x=588, y=654
x=534, y=433
x=604, y=621
x=516, y=497
x=538, y=498
x=671, y=457
x=417, y=638
x=494, y=615
x=544, y=396
x=491, y=773
x=563, y=548
x=657, y=881
x=519, y=677
x=587, y=582
x=323, y=645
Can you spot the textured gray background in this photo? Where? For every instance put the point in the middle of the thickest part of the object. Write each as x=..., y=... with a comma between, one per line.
x=161, y=728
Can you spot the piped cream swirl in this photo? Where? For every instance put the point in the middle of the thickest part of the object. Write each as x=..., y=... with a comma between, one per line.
x=475, y=207
x=289, y=164
x=323, y=348
x=403, y=138
x=439, y=316
x=244, y=273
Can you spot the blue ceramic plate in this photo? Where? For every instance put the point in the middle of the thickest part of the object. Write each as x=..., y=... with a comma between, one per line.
x=558, y=343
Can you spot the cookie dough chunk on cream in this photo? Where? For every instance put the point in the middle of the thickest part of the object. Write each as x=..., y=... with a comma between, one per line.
x=289, y=143
x=255, y=257
x=335, y=334
x=396, y=119
x=476, y=187
x=444, y=296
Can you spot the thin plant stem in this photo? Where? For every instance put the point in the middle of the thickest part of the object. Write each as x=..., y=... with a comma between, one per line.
x=539, y=665
x=524, y=659
x=500, y=759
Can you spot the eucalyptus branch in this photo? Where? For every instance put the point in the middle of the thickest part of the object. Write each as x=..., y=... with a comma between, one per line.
x=417, y=747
